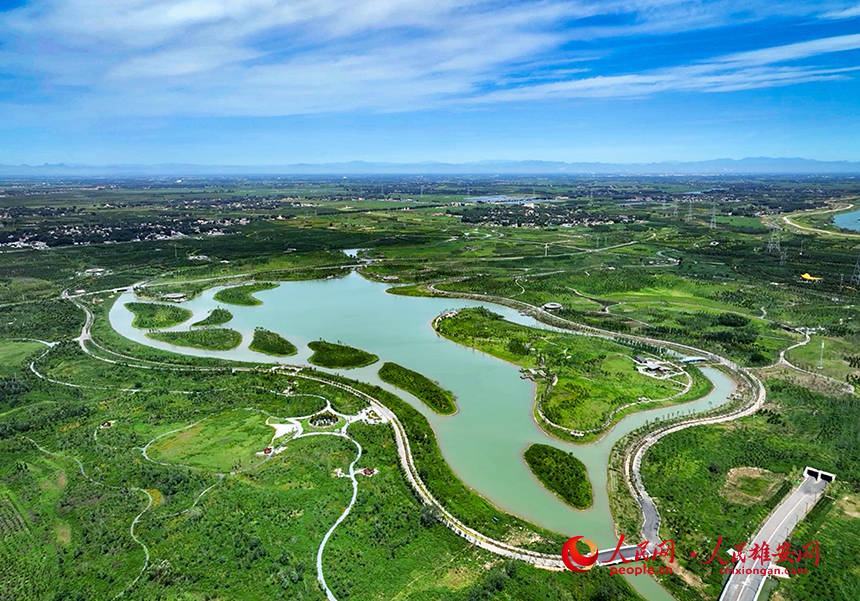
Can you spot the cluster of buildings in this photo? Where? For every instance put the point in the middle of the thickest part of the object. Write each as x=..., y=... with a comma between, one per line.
x=542, y=215
x=24, y=243
x=655, y=368
x=175, y=297
x=38, y=237
x=532, y=374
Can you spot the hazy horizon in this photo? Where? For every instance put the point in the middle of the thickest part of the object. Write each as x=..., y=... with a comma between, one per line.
x=714, y=167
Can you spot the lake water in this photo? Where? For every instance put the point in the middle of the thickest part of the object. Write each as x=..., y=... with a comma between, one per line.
x=849, y=221
x=484, y=441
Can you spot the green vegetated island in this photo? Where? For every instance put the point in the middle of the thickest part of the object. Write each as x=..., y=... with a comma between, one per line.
x=433, y=395
x=212, y=339
x=271, y=343
x=595, y=377
x=334, y=356
x=648, y=274
x=560, y=472
x=243, y=295
x=216, y=317
x=157, y=315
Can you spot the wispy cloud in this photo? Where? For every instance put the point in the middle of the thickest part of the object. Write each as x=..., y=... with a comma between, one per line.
x=847, y=13
x=274, y=57
x=740, y=71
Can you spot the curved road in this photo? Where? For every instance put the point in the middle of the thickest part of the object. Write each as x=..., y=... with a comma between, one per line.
x=814, y=230
x=633, y=457
x=633, y=460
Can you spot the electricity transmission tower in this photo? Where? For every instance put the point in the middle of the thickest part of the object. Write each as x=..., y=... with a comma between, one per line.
x=713, y=216
x=855, y=277
x=773, y=242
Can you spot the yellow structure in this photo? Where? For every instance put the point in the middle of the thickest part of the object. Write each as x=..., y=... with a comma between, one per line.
x=811, y=278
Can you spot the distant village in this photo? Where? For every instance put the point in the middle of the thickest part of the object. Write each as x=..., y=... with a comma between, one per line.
x=41, y=238
x=534, y=215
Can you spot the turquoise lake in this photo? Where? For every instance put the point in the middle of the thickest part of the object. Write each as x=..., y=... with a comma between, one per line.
x=484, y=441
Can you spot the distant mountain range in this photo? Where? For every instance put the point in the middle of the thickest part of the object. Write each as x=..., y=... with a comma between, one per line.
x=747, y=166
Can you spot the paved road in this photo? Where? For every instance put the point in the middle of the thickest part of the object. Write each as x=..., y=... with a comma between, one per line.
x=750, y=388
x=633, y=459
x=746, y=587
x=787, y=220
x=604, y=557
x=541, y=560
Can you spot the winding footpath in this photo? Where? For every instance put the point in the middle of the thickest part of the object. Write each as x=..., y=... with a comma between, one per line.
x=296, y=430
x=753, y=393
x=849, y=388
x=320, y=576
x=134, y=522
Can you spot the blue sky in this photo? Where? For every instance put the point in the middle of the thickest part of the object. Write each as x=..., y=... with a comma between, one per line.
x=270, y=81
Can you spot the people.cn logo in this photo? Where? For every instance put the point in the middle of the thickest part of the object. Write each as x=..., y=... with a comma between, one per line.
x=576, y=561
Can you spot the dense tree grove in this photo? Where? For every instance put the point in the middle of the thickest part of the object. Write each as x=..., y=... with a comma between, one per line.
x=561, y=472
x=436, y=397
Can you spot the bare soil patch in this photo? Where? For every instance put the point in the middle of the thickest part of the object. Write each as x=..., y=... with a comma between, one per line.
x=750, y=485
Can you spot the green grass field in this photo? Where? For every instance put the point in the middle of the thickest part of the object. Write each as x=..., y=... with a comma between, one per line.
x=834, y=355
x=14, y=352
x=595, y=376
x=224, y=442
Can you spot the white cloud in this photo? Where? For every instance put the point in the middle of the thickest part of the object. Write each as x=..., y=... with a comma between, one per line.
x=180, y=61
x=282, y=57
x=790, y=52
x=740, y=71
x=848, y=13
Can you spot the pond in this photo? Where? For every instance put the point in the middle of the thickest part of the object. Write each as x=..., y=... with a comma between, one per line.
x=484, y=441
